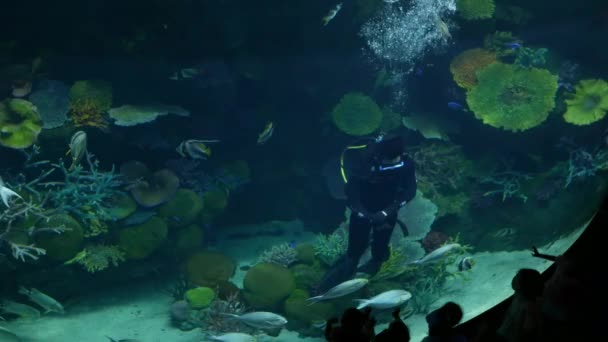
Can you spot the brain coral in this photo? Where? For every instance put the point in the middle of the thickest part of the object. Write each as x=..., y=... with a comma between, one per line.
x=466, y=64
x=209, y=268
x=475, y=9
x=62, y=246
x=266, y=285
x=357, y=114
x=589, y=104
x=139, y=241
x=511, y=97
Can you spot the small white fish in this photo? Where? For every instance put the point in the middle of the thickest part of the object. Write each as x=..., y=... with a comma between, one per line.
x=261, y=319
x=340, y=290
x=266, y=134
x=466, y=264
x=332, y=14
x=437, y=254
x=232, y=337
x=391, y=1
x=45, y=301
x=385, y=300
x=184, y=74
x=78, y=147
x=504, y=233
x=6, y=194
x=195, y=149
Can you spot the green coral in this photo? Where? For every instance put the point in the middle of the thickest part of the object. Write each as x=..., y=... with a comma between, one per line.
x=188, y=239
x=139, y=241
x=98, y=258
x=214, y=203
x=62, y=246
x=393, y=267
x=589, y=103
x=499, y=42
x=357, y=114
x=209, y=268
x=267, y=285
x=20, y=123
x=329, y=248
x=120, y=206
x=531, y=58
x=95, y=93
x=199, y=297
x=298, y=308
x=182, y=209
x=475, y=9
x=307, y=276
x=511, y=97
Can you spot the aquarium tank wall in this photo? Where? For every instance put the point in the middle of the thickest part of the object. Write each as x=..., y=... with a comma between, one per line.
x=246, y=170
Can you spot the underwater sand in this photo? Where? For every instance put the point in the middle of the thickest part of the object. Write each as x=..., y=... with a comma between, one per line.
x=140, y=311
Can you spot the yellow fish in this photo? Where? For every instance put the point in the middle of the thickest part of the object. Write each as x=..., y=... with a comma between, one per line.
x=266, y=134
x=195, y=149
x=332, y=14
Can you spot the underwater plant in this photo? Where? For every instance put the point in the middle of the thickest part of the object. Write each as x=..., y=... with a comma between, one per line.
x=475, y=9
x=506, y=184
x=282, y=254
x=583, y=163
x=357, y=114
x=531, y=58
x=20, y=123
x=89, y=100
x=589, y=102
x=511, y=97
x=330, y=247
x=97, y=258
x=467, y=63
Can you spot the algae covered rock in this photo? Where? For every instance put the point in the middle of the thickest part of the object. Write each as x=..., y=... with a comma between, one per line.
x=182, y=209
x=297, y=307
x=189, y=239
x=209, y=268
x=266, y=285
x=62, y=246
x=199, y=297
x=306, y=276
x=141, y=240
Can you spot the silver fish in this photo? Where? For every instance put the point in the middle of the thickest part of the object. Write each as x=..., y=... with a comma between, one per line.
x=341, y=290
x=21, y=310
x=6, y=194
x=261, y=319
x=266, y=134
x=195, y=149
x=385, y=300
x=232, y=337
x=78, y=147
x=437, y=254
x=45, y=301
x=332, y=14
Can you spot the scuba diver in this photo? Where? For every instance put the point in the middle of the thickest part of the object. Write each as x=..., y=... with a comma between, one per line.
x=379, y=179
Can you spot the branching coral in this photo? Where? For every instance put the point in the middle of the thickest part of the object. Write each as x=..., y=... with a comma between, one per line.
x=583, y=163
x=475, y=9
x=357, y=114
x=506, y=184
x=589, y=103
x=466, y=64
x=282, y=254
x=531, y=58
x=329, y=248
x=98, y=257
x=89, y=100
x=511, y=97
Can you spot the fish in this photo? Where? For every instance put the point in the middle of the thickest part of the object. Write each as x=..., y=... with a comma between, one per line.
x=140, y=216
x=21, y=310
x=8, y=336
x=466, y=264
x=266, y=134
x=195, y=149
x=332, y=14
x=340, y=290
x=513, y=46
x=184, y=74
x=78, y=148
x=261, y=319
x=456, y=106
x=6, y=194
x=232, y=337
x=45, y=301
x=123, y=340
x=437, y=254
x=391, y=1
x=386, y=300
x=293, y=244
x=444, y=29
x=504, y=233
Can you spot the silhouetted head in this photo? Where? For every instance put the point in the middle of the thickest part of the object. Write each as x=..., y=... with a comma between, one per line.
x=352, y=319
x=444, y=318
x=388, y=148
x=528, y=282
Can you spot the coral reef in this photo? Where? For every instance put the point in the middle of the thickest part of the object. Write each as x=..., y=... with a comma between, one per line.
x=467, y=63
x=209, y=268
x=588, y=104
x=89, y=100
x=63, y=246
x=512, y=98
x=131, y=115
x=506, y=184
x=199, y=297
x=266, y=285
x=155, y=189
x=299, y=308
x=500, y=42
x=531, y=58
x=51, y=99
x=357, y=114
x=329, y=248
x=182, y=209
x=475, y=9
x=584, y=163
x=139, y=241
x=216, y=318
x=282, y=254
x=97, y=258
x=20, y=123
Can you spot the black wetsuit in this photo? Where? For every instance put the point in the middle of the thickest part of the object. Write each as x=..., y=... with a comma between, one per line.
x=384, y=191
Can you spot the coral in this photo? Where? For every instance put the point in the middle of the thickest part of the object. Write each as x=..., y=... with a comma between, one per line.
x=306, y=276
x=305, y=253
x=357, y=114
x=63, y=246
x=329, y=248
x=214, y=203
x=584, y=163
x=475, y=9
x=266, y=285
x=297, y=307
x=434, y=240
x=393, y=267
x=467, y=63
x=86, y=194
x=418, y=216
x=506, y=184
x=233, y=174
x=20, y=123
x=531, y=58
x=391, y=120
x=182, y=209
x=97, y=258
x=209, y=268
x=155, y=189
x=512, y=98
x=199, y=297
x=120, y=206
x=588, y=104
x=139, y=241
x=188, y=239
x=282, y=254
x=217, y=316
x=500, y=43
x=51, y=99
x=89, y=100
x=131, y=115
